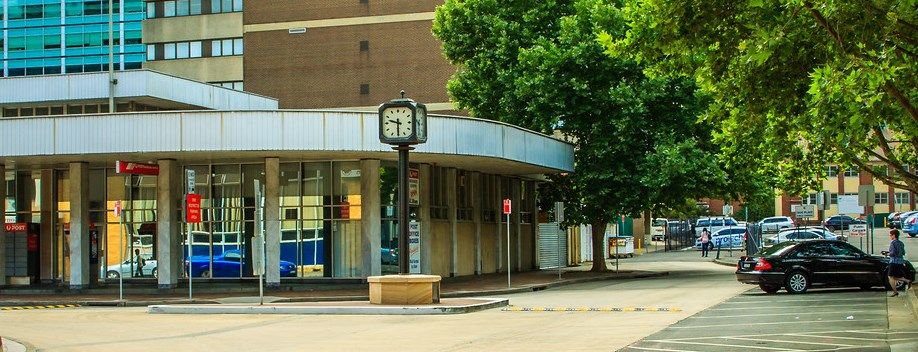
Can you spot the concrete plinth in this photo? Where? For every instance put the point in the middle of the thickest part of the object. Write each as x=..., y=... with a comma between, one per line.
x=404, y=289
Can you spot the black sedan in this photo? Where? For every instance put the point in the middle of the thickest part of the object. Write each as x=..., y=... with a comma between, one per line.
x=841, y=222
x=797, y=266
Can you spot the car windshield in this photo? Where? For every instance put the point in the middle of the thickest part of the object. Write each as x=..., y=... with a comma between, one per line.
x=704, y=222
x=777, y=249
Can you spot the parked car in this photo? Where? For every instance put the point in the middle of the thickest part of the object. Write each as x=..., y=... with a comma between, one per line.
x=798, y=266
x=793, y=235
x=841, y=222
x=728, y=237
x=896, y=222
x=658, y=229
x=910, y=224
x=826, y=233
x=228, y=264
x=776, y=223
x=890, y=218
x=713, y=224
x=128, y=269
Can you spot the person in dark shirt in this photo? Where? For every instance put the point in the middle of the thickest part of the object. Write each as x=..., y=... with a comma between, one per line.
x=896, y=261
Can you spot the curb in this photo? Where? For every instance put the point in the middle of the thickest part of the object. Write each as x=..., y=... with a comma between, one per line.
x=723, y=262
x=540, y=287
x=484, y=304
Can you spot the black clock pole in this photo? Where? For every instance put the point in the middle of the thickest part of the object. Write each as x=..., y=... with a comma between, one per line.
x=403, y=207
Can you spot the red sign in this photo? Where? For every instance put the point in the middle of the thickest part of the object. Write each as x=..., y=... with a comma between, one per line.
x=193, y=208
x=506, y=206
x=17, y=227
x=414, y=174
x=126, y=167
x=345, y=210
x=118, y=208
x=33, y=243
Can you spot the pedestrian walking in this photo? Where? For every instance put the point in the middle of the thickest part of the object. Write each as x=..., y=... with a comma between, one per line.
x=896, y=262
x=138, y=259
x=705, y=239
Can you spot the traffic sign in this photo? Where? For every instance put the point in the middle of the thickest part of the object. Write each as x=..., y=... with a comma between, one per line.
x=193, y=208
x=858, y=229
x=866, y=195
x=805, y=211
x=506, y=206
x=728, y=209
x=189, y=181
x=823, y=198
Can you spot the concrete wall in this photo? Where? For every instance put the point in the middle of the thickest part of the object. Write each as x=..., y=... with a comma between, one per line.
x=465, y=249
x=489, y=248
x=440, y=251
x=188, y=28
x=527, y=247
x=204, y=69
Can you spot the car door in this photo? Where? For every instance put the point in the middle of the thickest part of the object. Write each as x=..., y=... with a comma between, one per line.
x=852, y=266
x=818, y=259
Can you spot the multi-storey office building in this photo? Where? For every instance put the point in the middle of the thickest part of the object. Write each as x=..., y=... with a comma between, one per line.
x=42, y=37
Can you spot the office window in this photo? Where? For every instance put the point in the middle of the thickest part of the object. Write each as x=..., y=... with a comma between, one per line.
x=169, y=51
x=364, y=45
x=182, y=8
x=151, y=52
x=226, y=47
x=881, y=198
x=851, y=172
x=237, y=46
x=151, y=10
x=219, y=6
x=181, y=50
x=169, y=9
x=834, y=198
x=364, y=89
x=832, y=171
x=903, y=197
x=195, y=49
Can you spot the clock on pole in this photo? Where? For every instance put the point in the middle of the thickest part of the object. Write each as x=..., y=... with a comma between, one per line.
x=402, y=123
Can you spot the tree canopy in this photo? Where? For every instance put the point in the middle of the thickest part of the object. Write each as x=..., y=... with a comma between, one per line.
x=795, y=84
x=538, y=64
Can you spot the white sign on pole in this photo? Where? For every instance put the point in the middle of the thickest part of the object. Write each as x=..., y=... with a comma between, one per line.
x=858, y=229
x=805, y=211
x=414, y=247
x=728, y=210
x=848, y=205
x=189, y=180
x=865, y=195
x=258, y=255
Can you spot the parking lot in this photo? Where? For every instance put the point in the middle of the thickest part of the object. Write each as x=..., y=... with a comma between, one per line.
x=821, y=320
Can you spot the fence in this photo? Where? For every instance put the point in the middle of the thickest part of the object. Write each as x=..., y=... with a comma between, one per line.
x=678, y=235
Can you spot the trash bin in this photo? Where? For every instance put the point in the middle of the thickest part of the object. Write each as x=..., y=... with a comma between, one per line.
x=622, y=246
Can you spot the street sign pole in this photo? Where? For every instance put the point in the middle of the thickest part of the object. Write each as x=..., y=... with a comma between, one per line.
x=190, y=185
x=120, y=250
x=507, y=213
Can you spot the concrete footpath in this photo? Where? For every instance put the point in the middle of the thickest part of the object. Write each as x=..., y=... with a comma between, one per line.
x=472, y=286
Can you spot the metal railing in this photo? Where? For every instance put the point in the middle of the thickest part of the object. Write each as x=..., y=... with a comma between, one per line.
x=678, y=235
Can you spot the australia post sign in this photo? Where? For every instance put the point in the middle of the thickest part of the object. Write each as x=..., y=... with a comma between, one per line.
x=127, y=167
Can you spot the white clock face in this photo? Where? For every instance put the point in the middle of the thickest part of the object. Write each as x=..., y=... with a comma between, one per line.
x=397, y=122
x=422, y=124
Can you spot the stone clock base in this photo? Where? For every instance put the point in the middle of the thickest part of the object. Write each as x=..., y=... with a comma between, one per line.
x=404, y=289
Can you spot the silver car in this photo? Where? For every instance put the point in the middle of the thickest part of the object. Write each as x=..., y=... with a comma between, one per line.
x=776, y=223
x=128, y=268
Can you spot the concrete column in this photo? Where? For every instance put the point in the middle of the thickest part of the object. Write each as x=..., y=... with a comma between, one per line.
x=451, y=204
x=169, y=191
x=272, y=222
x=474, y=183
x=47, y=239
x=2, y=228
x=79, y=226
x=516, y=226
x=424, y=216
x=370, y=218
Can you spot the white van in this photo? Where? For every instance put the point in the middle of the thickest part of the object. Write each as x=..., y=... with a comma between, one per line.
x=713, y=224
x=658, y=229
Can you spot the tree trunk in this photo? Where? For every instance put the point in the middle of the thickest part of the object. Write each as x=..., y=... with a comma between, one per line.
x=648, y=217
x=599, y=259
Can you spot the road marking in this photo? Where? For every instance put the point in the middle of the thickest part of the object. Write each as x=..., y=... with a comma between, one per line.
x=54, y=306
x=796, y=300
x=591, y=309
x=779, y=314
x=656, y=349
x=790, y=342
x=782, y=307
x=719, y=345
x=850, y=338
x=775, y=323
x=875, y=331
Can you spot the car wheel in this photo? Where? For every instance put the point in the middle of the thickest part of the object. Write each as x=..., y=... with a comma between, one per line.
x=155, y=273
x=769, y=289
x=205, y=273
x=111, y=274
x=797, y=282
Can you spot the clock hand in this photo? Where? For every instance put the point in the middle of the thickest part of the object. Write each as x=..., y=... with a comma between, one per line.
x=397, y=122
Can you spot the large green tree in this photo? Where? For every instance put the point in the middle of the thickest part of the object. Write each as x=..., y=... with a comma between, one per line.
x=796, y=84
x=538, y=64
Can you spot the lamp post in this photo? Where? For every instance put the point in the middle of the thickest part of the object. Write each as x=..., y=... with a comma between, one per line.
x=402, y=124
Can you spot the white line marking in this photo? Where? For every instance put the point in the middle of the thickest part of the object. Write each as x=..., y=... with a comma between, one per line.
x=657, y=349
x=776, y=323
x=836, y=337
x=773, y=335
x=784, y=307
x=795, y=300
x=720, y=344
x=779, y=314
x=790, y=342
